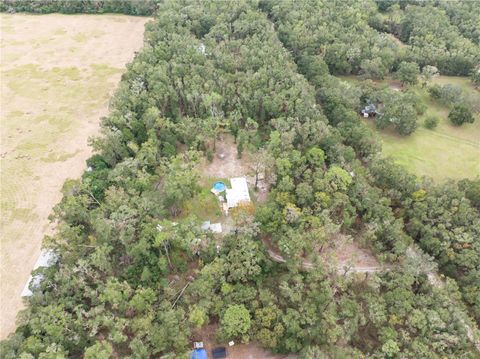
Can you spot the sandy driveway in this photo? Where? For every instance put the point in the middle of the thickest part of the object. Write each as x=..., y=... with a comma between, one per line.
x=57, y=75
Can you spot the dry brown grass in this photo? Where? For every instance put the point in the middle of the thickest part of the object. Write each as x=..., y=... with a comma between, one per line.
x=57, y=74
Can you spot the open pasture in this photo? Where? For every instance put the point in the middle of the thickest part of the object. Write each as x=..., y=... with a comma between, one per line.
x=57, y=75
x=447, y=151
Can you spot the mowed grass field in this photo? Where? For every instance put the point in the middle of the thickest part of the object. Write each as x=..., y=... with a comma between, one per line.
x=57, y=75
x=447, y=151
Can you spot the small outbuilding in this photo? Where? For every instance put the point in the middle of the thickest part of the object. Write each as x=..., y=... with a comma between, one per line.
x=369, y=111
x=202, y=48
x=214, y=227
x=47, y=258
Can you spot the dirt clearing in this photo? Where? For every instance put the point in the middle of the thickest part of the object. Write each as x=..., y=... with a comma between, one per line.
x=57, y=75
x=347, y=253
x=225, y=163
x=238, y=351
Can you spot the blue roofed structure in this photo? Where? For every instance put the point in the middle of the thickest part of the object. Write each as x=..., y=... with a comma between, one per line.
x=199, y=354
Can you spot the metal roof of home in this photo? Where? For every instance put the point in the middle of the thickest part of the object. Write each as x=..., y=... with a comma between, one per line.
x=238, y=193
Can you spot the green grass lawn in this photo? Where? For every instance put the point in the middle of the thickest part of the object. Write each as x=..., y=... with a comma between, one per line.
x=205, y=205
x=447, y=151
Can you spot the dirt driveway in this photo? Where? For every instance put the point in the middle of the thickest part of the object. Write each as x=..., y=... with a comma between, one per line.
x=57, y=75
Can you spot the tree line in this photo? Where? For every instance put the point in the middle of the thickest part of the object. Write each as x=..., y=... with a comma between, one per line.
x=128, y=7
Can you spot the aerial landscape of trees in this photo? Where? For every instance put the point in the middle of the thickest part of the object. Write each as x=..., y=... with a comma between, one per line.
x=432, y=38
x=132, y=280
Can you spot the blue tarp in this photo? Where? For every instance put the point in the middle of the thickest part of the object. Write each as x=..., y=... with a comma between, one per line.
x=199, y=354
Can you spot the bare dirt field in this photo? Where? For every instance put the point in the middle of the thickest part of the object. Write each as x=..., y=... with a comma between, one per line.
x=57, y=75
x=347, y=253
x=225, y=163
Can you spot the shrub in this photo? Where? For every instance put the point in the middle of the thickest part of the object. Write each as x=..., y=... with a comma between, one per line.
x=435, y=91
x=460, y=114
x=475, y=76
x=209, y=155
x=447, y=94
x=235, y=322
x=431, y=122
x=450, y=94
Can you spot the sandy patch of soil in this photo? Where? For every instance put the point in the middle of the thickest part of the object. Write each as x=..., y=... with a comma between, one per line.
x=237, y=351
x=348, y=253
x=253, y=351
x=395, y=85
x=58, y=73
x=226, y=163
x=344, y=257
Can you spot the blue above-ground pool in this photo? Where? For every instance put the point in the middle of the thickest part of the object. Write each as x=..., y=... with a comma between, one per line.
x=219, y=186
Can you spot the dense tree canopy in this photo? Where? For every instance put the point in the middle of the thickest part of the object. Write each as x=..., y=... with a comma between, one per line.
x=408, y=72
x=335, y=32
x=136, y=275
x=432, y=38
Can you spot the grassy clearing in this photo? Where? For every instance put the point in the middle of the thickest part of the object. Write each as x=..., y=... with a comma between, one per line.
x=204, y=206
x=448, y=151
x=44, y=104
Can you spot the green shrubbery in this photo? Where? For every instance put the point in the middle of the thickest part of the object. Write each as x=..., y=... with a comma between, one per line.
x=460, y=114
x=431, y=122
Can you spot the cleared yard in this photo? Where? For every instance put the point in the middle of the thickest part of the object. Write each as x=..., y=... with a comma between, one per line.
x=439, y=153
x=207, y=335
x=57, y=74
x=448, y=151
